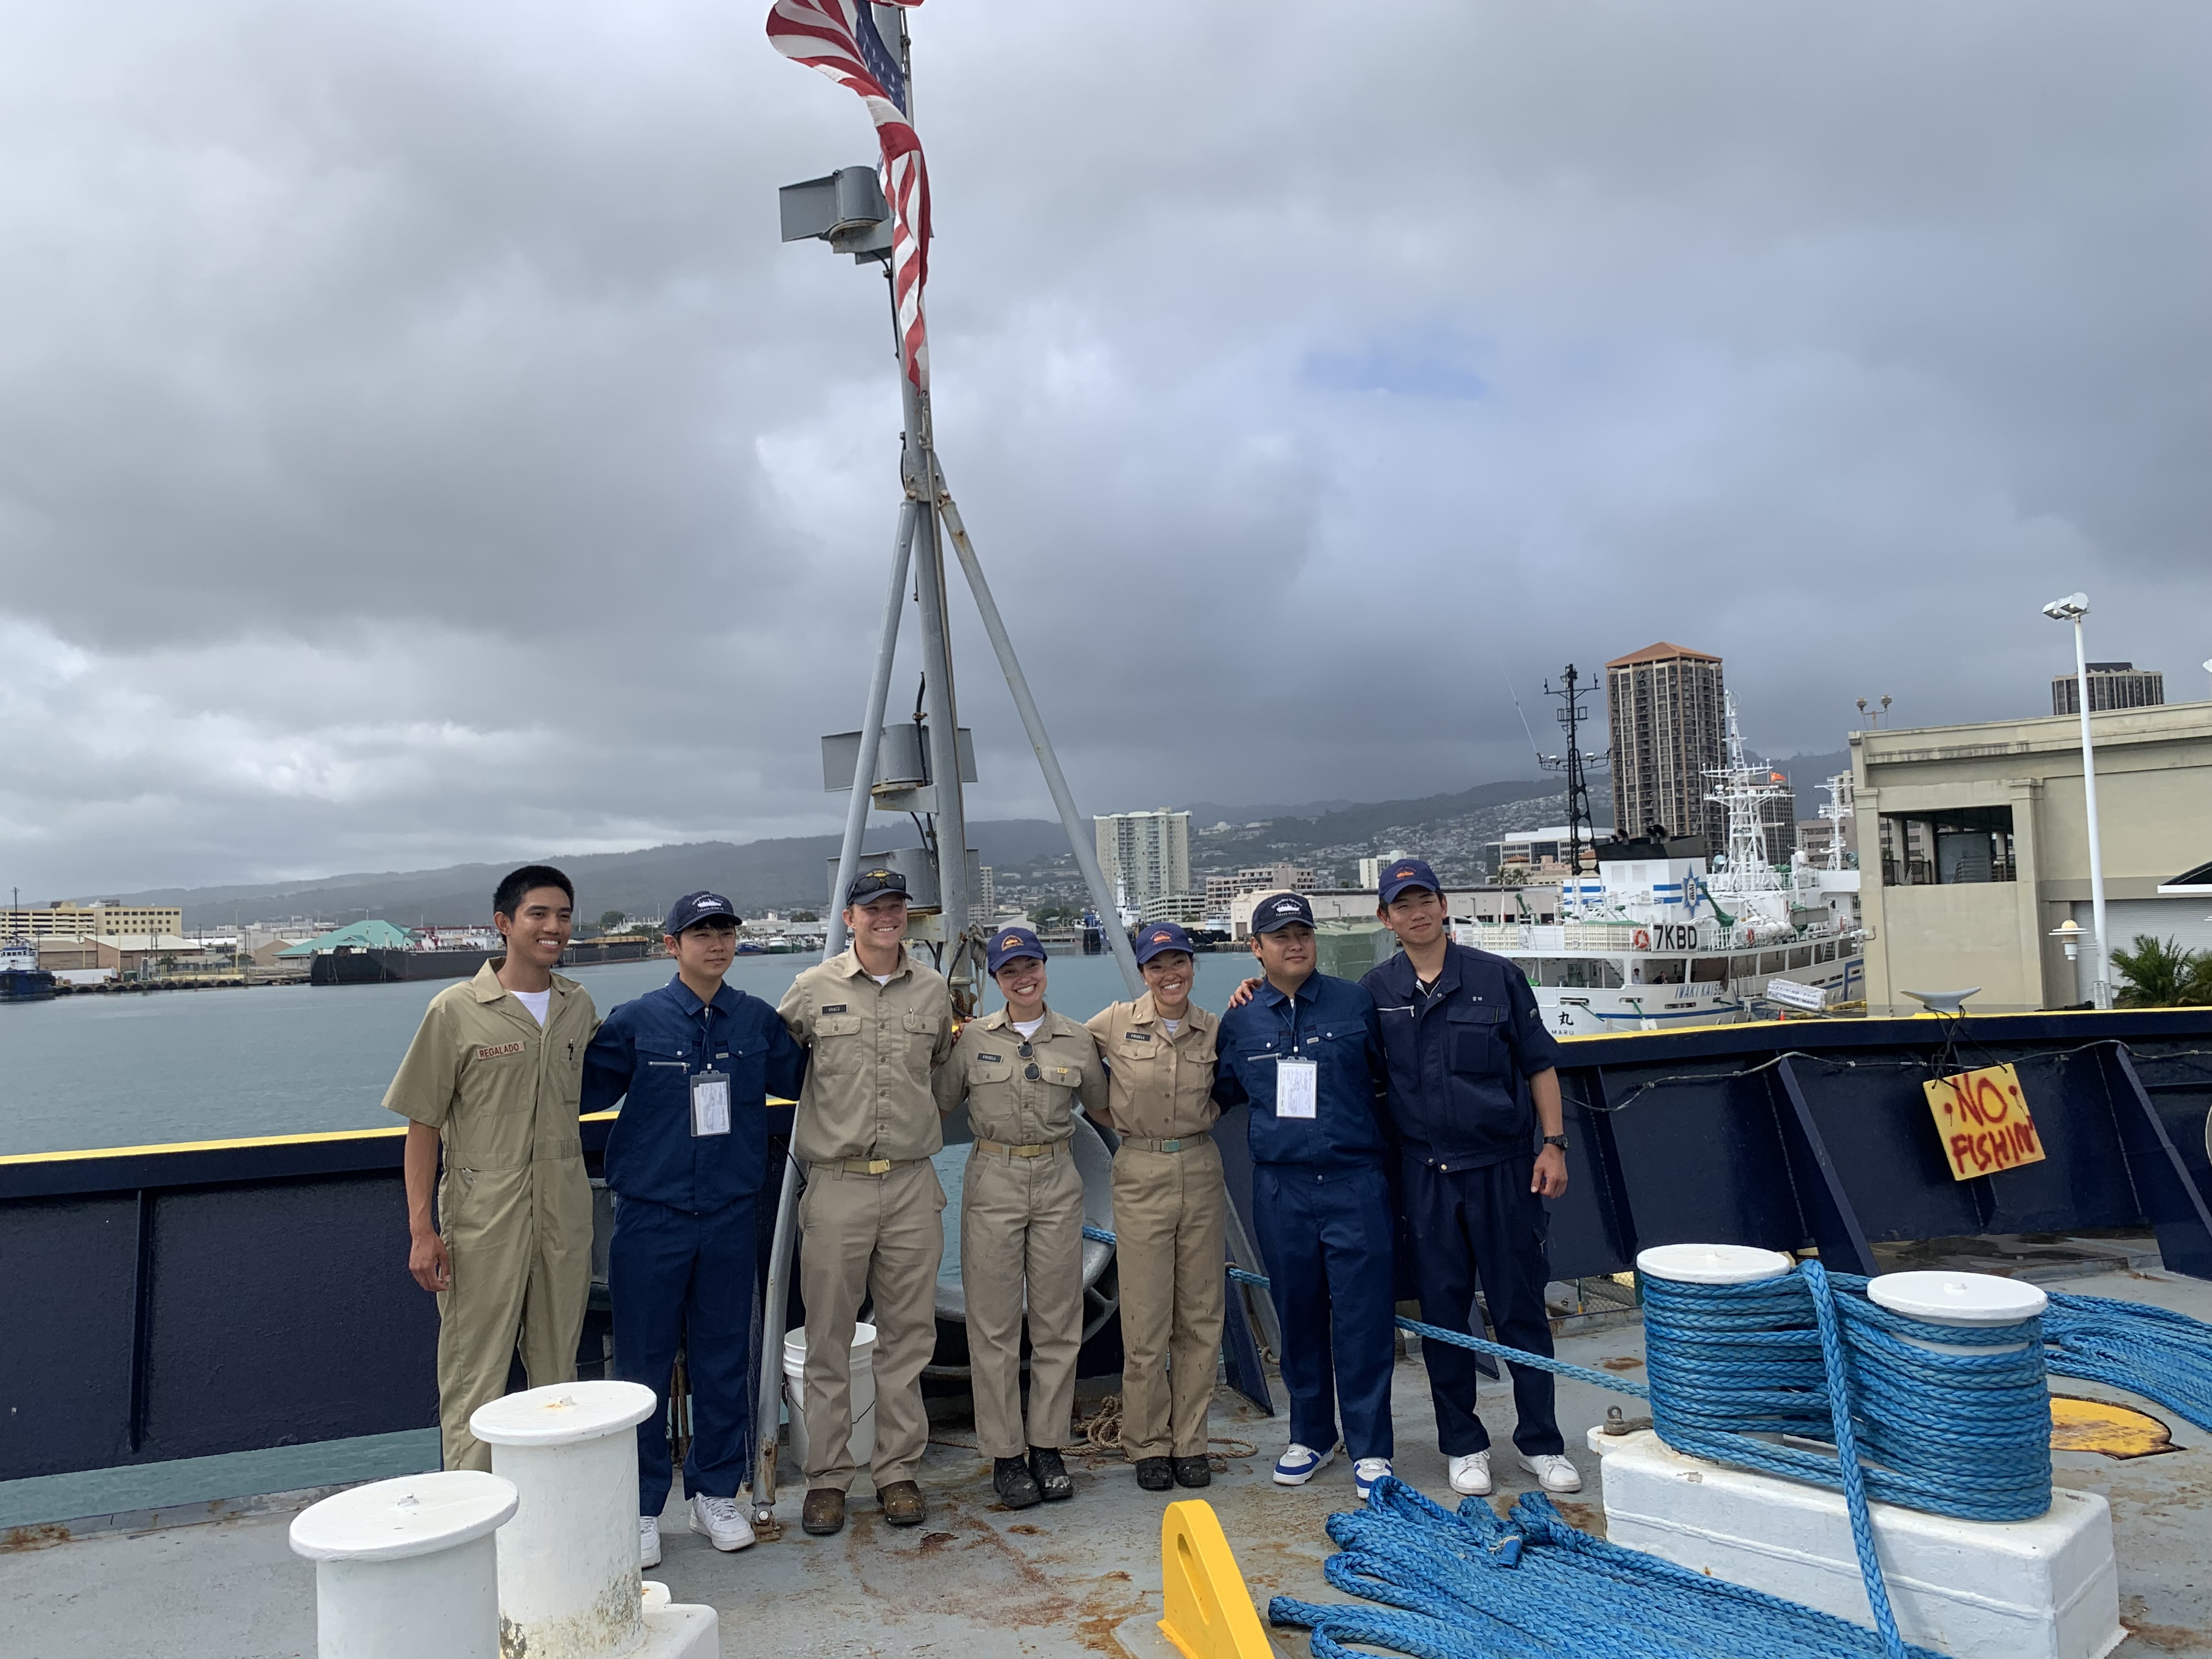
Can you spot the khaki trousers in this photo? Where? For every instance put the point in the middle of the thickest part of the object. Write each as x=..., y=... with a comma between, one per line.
x=1169, y=1212
x=866, y=1235
x=1021, y=1222
x=520, y=1245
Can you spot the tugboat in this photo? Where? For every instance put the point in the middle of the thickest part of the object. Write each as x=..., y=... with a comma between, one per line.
x=21, y=979
x=1656, y=940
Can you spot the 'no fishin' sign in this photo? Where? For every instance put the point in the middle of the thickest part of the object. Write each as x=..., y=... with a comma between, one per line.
x=1983, y=1119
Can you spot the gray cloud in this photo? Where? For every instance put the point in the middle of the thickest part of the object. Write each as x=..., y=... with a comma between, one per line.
x=414, y=445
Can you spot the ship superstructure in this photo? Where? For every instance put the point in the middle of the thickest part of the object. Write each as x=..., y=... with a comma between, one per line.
x=1660, y=934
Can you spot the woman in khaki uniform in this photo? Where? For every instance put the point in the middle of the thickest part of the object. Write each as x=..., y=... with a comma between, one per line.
x=1171, y=1210
x=1022, y=1070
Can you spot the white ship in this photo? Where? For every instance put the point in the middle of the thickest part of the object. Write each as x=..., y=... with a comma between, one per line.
x=1656, y=940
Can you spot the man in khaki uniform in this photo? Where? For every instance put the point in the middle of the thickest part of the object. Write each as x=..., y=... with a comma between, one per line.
x=878, y=1021
x=494, y=1075
x=1171, y=1210
x=1022, y=1070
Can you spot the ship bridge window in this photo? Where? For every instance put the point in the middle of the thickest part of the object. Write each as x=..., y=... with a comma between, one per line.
x=1710, y=971
x=1963, y=844
x=1661, y=970
x=1573, y=973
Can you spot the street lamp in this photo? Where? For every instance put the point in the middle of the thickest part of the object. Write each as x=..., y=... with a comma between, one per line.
x=2073, y=608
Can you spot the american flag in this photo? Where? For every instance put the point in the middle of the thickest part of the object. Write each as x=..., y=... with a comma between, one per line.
x=839, y=38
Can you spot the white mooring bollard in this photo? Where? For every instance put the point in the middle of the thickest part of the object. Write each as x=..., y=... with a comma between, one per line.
x=407, y=1569
x=569, y=1584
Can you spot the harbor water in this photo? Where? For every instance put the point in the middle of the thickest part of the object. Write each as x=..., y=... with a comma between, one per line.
x=164, y=1067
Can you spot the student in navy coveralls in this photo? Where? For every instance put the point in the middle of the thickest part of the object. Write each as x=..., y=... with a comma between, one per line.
x=1320, y=1199
x=693, y=1063
x=1473, y=1078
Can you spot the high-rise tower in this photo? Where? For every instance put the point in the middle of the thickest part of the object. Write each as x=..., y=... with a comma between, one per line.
x=1664, y=705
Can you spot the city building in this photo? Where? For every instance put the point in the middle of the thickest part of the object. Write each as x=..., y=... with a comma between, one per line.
x=2111, y=686
x=1536, y=853
x=1370, y=870
x=63, y=919
x=1663, y=708
x=987, y=892
x=1261, y=879
x=1145, y=855
x=1975, y=845
x=1189, y=909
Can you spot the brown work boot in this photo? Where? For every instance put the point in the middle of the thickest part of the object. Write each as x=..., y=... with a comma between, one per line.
x=903, y=1504
x=824, y=1512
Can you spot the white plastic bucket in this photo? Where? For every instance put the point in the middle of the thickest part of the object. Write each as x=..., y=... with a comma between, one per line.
x=862, y=1444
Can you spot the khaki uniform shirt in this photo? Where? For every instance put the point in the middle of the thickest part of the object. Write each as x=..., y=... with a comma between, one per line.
x=1004, y=1103
x=867, y=1091
x=1162, y=1085
x=503, y=1092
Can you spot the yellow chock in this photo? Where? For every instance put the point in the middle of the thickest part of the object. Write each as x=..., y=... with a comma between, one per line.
x=1209, y=1612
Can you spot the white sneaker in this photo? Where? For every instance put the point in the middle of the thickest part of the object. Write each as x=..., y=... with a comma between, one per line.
x=1299, y=1464
x=725, y=1523
x=1470, y=1474
x=1365, y=1472
x=1553, y=1472
x=648, y=1541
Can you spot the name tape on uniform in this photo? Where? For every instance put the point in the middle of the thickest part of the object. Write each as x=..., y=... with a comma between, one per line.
x=500, y=1050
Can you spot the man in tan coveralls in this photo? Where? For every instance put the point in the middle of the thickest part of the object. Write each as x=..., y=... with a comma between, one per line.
x=495, y=1073
x=1022, y=1070
x=1171, y=1210
x=878, y=1021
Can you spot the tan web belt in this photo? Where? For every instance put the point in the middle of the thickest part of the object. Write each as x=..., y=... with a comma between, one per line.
x=1181, y=1142
x=1004, y=1150
x=868, y=1166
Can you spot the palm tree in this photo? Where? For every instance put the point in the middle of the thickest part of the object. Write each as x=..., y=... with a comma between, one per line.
x=2159, y=974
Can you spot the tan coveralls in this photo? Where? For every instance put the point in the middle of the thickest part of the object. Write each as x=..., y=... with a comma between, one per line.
x=1021, y=1218
x=866, y=1128
x=514, y=1206
x=1170, y=1214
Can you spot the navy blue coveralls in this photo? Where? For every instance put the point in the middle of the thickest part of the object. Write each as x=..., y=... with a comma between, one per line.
x=1321, y=1203
x=1460, y=1059
x=682, y=1260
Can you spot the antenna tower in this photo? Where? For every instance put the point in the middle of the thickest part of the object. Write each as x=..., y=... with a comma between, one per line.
x=1581, y=830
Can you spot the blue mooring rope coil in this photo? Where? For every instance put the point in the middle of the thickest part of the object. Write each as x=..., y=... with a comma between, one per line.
x=1472, y=1585
x=1786, y=1356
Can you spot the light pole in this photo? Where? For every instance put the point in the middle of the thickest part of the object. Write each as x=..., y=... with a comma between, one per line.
x=2073, y=608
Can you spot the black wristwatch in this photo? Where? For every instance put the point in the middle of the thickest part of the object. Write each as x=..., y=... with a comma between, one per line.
x=1559, y=1141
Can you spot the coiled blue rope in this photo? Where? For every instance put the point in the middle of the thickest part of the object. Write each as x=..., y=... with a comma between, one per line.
x=1472, y=1585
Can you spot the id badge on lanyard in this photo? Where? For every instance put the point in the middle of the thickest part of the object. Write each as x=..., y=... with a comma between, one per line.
x=710, y=1104
x=1298, y=1087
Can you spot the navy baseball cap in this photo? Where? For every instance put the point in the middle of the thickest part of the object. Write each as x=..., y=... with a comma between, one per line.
x=1161, y=936
x=1010, y=944
x=1280, y=910
x=695, y=908
x=1403, y=873
x=873, y=884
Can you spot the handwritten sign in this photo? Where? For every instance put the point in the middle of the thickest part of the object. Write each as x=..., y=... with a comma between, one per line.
x=1983, y=1119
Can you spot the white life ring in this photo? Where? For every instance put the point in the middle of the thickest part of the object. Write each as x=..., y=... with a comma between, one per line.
x=1643, y=939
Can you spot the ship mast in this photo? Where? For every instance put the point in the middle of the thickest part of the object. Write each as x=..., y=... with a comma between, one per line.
x=1581, y=829
x=1839, y=808
x=1743, y=789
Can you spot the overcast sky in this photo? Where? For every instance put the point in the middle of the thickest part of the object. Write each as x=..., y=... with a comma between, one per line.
x=416, y=445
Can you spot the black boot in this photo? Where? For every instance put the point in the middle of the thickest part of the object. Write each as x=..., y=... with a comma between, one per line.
x=1016, y=1486
x=1154, y=1474
x=1053, y=1479
x=1193, y=1471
